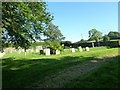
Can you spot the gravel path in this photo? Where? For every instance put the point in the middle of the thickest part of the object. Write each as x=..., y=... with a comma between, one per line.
x=60, y=79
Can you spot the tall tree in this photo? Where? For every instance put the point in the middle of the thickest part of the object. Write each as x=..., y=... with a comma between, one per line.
x=23, y=22
x=53, y=33
x=95, y=35
x=53, y=38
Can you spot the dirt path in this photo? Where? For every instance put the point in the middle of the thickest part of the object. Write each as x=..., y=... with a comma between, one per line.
x=60, y=79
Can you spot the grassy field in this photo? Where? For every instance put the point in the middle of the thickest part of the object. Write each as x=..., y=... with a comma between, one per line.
x=20, y=71
x=106, y=76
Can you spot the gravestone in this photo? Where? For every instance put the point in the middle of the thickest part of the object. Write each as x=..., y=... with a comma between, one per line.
x=72, y=49
x=25, y=53
x=57, y=52
x=80, y=49
x=2, y=54
x=23, y=50
x=47, y=51
x=92, y=44
x=63, y=45
x=87, y=49
x=39, y=47
x=41, y=52
x=19, y=51
x=32, y=50
x=37, y=50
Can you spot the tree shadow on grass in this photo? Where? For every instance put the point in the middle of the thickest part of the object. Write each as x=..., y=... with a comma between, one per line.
x=22, y=73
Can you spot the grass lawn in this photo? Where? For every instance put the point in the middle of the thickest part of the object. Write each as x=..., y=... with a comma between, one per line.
x=20, y=71
x=106, y=76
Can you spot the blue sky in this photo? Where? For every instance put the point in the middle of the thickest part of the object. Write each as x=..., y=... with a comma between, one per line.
x=75, y=19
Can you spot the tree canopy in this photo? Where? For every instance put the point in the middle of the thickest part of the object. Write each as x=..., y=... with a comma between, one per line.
x=23, y=22
x=114, y=35
x=53, y=33
x=106, y=38
x=95, y=35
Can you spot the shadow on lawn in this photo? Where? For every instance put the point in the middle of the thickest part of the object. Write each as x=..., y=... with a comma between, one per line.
x=9, y=63
x=21, y=73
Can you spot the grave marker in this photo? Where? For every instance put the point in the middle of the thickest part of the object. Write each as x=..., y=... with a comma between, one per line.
x=87, y=49
x=57, y=52
x=80, y=49
x=47, y=51
x=72, y=49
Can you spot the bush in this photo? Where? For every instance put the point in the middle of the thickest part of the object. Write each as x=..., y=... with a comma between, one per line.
x=106, y=38
x=53, y=45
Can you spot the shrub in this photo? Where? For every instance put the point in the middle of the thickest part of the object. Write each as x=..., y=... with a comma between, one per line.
x=106, y=38
x=53, y=45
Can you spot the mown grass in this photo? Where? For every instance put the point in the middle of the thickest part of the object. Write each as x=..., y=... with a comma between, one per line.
x=20, y=71
x=106, y=76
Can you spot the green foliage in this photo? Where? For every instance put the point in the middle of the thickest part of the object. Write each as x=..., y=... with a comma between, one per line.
x=82, y=41
x=66, y=43
x=34, y=44
x=54, y=36
x=106, y=38
x=53, y=33
x=23, y=22
x=114, y=35
x=95, y=35
x=53, y=45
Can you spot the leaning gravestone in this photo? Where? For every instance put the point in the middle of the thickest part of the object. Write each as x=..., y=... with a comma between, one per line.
x=72, y=49
x=87, y=49
x=80, y=49
x=47, y=51
x=57, y=52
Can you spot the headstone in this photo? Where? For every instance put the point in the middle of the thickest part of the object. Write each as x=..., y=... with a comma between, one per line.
x=57, y=52
x=44, y=50
x=2, y=54
x=80, y=49
x=87, y=49
x=92, y=44
x=37, y=50
x=39, y=47
x=47, y=51
x=19, y=51
x=72, y=49
x=23, y=50
x=32, y=50
x=25, y=53
x=63, y=45
x=41, y=52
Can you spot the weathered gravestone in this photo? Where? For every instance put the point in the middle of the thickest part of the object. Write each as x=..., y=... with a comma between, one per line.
x=2, y=54
x=57, y=52
x=47, y=51
x=87, y=49
x=80, y=49
x=92, y=44
x=72, y=49
x=32, y=50
x=37, y=50
x=19, y=51
x=41, y=52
